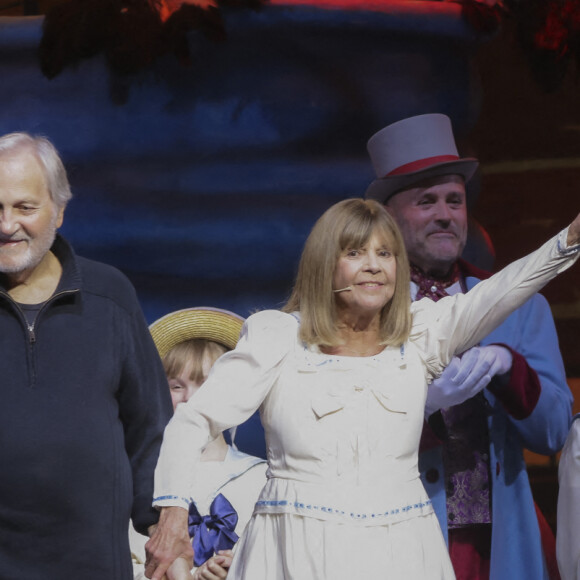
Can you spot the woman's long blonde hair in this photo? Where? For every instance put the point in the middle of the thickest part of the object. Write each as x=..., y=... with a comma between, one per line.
x=347, y=224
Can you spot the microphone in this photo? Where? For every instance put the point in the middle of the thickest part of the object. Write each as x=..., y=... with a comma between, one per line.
x=346, y=289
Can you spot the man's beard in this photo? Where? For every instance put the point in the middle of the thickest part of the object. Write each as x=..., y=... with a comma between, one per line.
x=37, y=249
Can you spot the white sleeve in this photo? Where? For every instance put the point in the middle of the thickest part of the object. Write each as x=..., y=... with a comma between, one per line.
x=236, y=386
x=567, y=540
x=455, y=323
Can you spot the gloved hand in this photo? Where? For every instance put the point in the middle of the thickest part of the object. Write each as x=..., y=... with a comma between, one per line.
x=465, y=376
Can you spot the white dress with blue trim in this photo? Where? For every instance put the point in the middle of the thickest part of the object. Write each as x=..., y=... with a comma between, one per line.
x=343, y=498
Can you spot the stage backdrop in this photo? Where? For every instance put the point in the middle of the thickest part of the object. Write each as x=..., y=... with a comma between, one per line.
x=204, y=183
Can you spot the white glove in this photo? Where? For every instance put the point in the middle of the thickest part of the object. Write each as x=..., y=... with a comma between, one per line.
x=465, y=376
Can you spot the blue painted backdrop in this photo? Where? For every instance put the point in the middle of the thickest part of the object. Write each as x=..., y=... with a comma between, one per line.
x=203, y=185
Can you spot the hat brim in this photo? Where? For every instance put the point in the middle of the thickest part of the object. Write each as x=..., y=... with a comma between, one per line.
x=221, y=326
x=383, y=189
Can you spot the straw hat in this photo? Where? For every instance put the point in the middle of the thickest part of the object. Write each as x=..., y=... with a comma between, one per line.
x=215, y=324
x=412, y=150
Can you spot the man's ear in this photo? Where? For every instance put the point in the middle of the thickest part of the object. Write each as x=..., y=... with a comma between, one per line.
x=59, y=217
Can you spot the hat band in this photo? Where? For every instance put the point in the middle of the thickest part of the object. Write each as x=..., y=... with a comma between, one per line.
x=421, y=164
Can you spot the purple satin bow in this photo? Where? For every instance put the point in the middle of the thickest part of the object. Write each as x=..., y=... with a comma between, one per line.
x=213, y=532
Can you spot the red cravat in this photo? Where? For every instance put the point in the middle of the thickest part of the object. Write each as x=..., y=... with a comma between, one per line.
x=433, y=288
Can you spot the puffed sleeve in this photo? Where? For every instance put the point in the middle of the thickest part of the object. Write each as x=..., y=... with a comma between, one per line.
x=236, y=386
x=455, y=323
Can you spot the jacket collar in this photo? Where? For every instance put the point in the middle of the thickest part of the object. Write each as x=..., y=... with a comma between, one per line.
x=71, y=278
x=472, y=274
x=470, y=270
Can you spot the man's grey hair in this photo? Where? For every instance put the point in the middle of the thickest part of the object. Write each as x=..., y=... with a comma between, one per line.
x=49, y=159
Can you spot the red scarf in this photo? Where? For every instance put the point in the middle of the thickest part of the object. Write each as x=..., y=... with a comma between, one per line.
x=434, y=288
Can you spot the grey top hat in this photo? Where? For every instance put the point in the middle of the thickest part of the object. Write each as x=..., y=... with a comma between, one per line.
x=412, y=150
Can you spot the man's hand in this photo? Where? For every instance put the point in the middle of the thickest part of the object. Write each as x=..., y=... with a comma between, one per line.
x=169, y=541
x=216, y=568
x=179, y=570
x=464, y=377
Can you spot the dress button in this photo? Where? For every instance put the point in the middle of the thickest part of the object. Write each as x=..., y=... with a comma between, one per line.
x=433, y=288
x=484, y=456
x=432, y=475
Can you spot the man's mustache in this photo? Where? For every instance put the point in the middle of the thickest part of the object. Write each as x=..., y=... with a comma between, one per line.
x=7, y=239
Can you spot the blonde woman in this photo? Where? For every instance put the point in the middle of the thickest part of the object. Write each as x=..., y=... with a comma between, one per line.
x=341, y=377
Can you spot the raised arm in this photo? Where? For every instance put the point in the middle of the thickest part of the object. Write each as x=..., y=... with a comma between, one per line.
x=459, y=322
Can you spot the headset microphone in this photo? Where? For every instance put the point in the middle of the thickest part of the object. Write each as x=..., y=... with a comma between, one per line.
x=343, y=289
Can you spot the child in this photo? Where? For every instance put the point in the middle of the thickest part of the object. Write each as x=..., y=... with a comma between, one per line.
x=227, y=483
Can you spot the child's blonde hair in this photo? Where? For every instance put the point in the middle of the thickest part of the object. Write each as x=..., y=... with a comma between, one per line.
x=197, y=352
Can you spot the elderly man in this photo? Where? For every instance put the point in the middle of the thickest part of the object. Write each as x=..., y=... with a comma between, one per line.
x=510, y=392
x=84, y=396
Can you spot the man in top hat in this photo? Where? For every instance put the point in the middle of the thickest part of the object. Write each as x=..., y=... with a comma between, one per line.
x=508, y=393
x=84, y=395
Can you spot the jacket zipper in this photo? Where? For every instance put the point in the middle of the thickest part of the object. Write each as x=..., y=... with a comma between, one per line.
x=31, y=329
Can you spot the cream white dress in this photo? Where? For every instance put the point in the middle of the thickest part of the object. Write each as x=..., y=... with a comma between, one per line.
x=343, y=498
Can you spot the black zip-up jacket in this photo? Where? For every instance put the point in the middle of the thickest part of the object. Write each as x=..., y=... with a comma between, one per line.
x=84, y=401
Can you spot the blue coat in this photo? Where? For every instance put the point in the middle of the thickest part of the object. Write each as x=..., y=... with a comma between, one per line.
x=84, y=404
x=516, y=552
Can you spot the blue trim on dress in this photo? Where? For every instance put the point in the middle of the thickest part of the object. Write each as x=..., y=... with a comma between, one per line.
x=172, y=497
x=329, y=510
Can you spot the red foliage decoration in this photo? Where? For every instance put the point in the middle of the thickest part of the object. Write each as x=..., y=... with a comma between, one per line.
x=131, y=34
x=561, y=26
x=483, y=18
x=549, y=33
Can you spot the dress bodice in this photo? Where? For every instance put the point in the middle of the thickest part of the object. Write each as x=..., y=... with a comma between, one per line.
x=342, y=433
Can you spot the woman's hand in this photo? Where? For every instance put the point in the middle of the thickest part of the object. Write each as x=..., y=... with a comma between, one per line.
x=169, y=541
x=574, y=232
x=216, y=568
